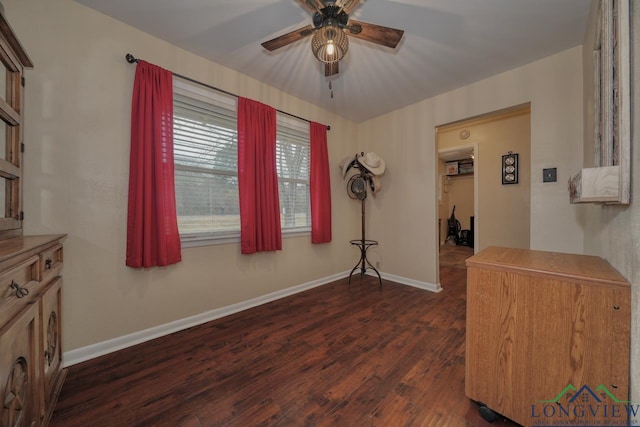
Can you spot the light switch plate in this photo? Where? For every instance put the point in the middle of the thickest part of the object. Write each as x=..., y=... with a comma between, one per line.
x=549, y=175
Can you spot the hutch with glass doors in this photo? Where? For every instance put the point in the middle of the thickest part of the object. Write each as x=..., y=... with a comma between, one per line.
x=31, y=369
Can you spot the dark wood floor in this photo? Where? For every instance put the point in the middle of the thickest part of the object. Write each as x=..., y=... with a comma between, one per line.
x=337, y=355
x=454, y=255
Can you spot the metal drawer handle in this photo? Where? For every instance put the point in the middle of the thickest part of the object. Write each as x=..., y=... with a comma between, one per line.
x=20, y=291
x=48, y=263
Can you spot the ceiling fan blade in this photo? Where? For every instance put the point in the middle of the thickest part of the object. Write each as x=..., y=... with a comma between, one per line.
x=311, y=5
x=348, y=5
x=384, y=36
x=288, y=38
x=331, y=69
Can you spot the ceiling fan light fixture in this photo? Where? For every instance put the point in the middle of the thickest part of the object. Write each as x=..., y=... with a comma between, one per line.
x=329, y=44
x=331, y=48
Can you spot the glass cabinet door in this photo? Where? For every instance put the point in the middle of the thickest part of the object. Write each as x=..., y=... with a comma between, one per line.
x=10, y=143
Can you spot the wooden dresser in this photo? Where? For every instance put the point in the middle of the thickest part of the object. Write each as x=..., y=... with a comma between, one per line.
x=547, y=337
x=31, y=373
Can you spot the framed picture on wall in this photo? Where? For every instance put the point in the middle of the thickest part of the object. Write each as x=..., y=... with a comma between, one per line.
x=510, y=168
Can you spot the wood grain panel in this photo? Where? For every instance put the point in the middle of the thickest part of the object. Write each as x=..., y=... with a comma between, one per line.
x=531, y=333
x=19, y=374
x=50, y=313
x=554, y=265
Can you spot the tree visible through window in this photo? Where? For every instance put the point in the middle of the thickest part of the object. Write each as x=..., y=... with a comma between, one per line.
x=205, y=156
x=292, y=156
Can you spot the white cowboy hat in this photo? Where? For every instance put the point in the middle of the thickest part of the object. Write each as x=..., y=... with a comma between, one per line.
x=346, y=164
x=373, y=163
x=376, y=184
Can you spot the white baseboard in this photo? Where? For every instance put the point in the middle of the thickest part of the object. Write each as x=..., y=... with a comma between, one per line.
x=409, y=282
x=105, y=347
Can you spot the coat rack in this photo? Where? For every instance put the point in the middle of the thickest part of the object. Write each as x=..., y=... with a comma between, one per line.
x=357, y=189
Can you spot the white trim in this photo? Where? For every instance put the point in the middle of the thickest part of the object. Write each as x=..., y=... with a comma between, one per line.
x=426, y=286
x=105, y=347
x=223, y=238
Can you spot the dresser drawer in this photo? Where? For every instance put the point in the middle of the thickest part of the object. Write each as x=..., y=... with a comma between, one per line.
x=18, y=287
x=51, y=263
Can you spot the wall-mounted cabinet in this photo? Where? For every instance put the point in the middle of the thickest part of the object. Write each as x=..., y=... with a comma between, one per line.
x=608, y=181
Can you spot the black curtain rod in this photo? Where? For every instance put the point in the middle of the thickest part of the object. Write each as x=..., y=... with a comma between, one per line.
x=132, y=59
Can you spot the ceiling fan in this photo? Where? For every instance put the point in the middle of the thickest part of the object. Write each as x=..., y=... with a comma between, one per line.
x=331, y=25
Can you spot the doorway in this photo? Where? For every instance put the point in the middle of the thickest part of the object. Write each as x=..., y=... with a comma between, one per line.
x=457, y=201
x=470, y=154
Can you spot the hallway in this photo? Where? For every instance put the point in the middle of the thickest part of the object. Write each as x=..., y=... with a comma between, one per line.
x=454, y=255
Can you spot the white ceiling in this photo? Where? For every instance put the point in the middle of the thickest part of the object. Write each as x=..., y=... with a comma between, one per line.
x=447, y=44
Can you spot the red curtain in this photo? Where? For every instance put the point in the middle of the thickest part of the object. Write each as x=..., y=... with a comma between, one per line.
x=152, y=225
x=320, y=185
x=258, y=178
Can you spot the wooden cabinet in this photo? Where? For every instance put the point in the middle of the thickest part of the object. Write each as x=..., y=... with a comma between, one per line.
x=19, y=369
x=547, y=337
x=13, y=60
x=31, y=372
x=53, y=375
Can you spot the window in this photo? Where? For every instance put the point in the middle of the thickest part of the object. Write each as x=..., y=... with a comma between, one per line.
x=206, y=177
x=292, y=157
x=205, y=156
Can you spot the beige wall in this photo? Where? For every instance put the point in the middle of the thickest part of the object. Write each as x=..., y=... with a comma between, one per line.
x=76, y=172
x=613, y=232
x=406, y=139
x=503, y=210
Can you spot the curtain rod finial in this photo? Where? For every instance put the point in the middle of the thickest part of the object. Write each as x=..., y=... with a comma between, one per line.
x=328, y=127
x=130, y=58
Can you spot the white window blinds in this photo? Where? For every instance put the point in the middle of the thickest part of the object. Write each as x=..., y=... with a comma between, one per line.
x=205, y=155
x=292, y=157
